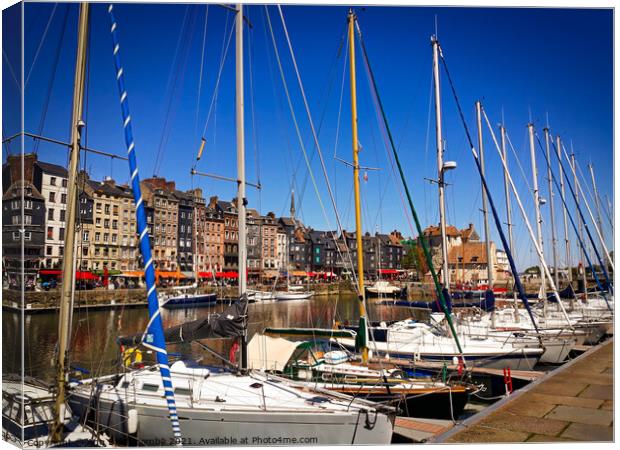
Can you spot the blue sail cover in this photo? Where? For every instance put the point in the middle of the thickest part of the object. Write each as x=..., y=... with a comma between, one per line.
x=153, y=337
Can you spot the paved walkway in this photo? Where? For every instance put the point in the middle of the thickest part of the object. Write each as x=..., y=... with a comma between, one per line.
x=572, y=403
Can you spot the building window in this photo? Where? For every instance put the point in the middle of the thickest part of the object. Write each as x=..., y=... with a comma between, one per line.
x=114, y=238
x=85, y=236
x=48, y=250
x=98, y=206
x=64, y=182
x=106, y=223
x=61, y=234
x=50, y=232
x=62, y=215
x=106, y=209
x=27, y=204
x=50, y=214
x=27, y=236
x=105, y=237
x=52, y=197
x=15, y=204
x=61, y=251
x=53, y=181
x=98, y=221
x=97, y=236
x=16, y=235
x=63, y=198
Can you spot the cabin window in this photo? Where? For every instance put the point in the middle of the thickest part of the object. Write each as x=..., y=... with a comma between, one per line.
x=124, y=384
x=182, y=391
x=150, y=387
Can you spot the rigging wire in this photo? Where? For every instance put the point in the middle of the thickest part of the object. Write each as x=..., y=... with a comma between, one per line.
x=324, y=99
x=440, y=293
x=182, y=46
x=225, y=47
x=11, y=70
x=201, y=72
x=38, y=51
x=489, y=198
x=340, y=228
x=51, y=81
x=253, y=116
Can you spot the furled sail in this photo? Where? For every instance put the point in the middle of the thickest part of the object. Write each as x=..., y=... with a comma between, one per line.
x=227, y=324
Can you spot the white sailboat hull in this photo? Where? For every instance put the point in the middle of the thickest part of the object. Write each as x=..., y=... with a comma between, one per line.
x=203, y=428
x=293, y=295
x=227, y=409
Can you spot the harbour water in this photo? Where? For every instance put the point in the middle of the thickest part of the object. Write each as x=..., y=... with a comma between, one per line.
x=93, y=337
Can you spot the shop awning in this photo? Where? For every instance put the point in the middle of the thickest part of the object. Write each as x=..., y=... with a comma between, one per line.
x=132, y=274
x=50, y=272
x=388, y=272
x=168, y=274
x=85, y=276
x=299, y=273
x=78, y=275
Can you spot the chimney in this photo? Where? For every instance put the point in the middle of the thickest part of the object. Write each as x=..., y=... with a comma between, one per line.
x=155, y=182
x=213, y=202
x=196, y=193
x=15, y=167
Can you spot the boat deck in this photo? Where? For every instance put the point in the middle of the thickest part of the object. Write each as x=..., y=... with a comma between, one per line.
x=572, y=403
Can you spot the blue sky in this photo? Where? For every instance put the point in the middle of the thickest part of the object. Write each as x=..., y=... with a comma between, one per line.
x=522, y=62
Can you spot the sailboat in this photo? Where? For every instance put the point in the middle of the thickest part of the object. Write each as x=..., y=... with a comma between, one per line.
x=558, y=331
x=34, y=414
x=218, y=406
x=415, y=340
x=347, y=370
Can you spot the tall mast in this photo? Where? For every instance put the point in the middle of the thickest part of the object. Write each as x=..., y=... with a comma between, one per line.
x=566, y=241
x=445, y=274
x=508, y=206
x=485, y=211
x=596, y=201
x=580, y=223
x=68, y=274
x=598, y=207
x=356, y=181
x=241, y=201
x=530, y=128
x=554, y=249
x=609, y=214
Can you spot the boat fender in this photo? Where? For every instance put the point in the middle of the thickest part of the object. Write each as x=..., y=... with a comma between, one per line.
x=132, y=421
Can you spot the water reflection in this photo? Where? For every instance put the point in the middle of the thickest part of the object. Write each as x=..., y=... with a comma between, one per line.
x=93, y=343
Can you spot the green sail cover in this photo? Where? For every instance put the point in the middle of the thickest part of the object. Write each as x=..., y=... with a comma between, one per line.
x=361, y=339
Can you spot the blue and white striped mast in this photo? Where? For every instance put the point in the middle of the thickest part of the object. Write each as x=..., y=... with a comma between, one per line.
x=153, y=337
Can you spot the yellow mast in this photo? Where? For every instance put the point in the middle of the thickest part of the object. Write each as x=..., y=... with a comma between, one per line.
x=356, y=185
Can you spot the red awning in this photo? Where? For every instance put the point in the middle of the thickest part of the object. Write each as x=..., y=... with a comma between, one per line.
x=78, y=275
x=231, y=275
x=50, y=272
x=85, y=276
x=388, y=271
